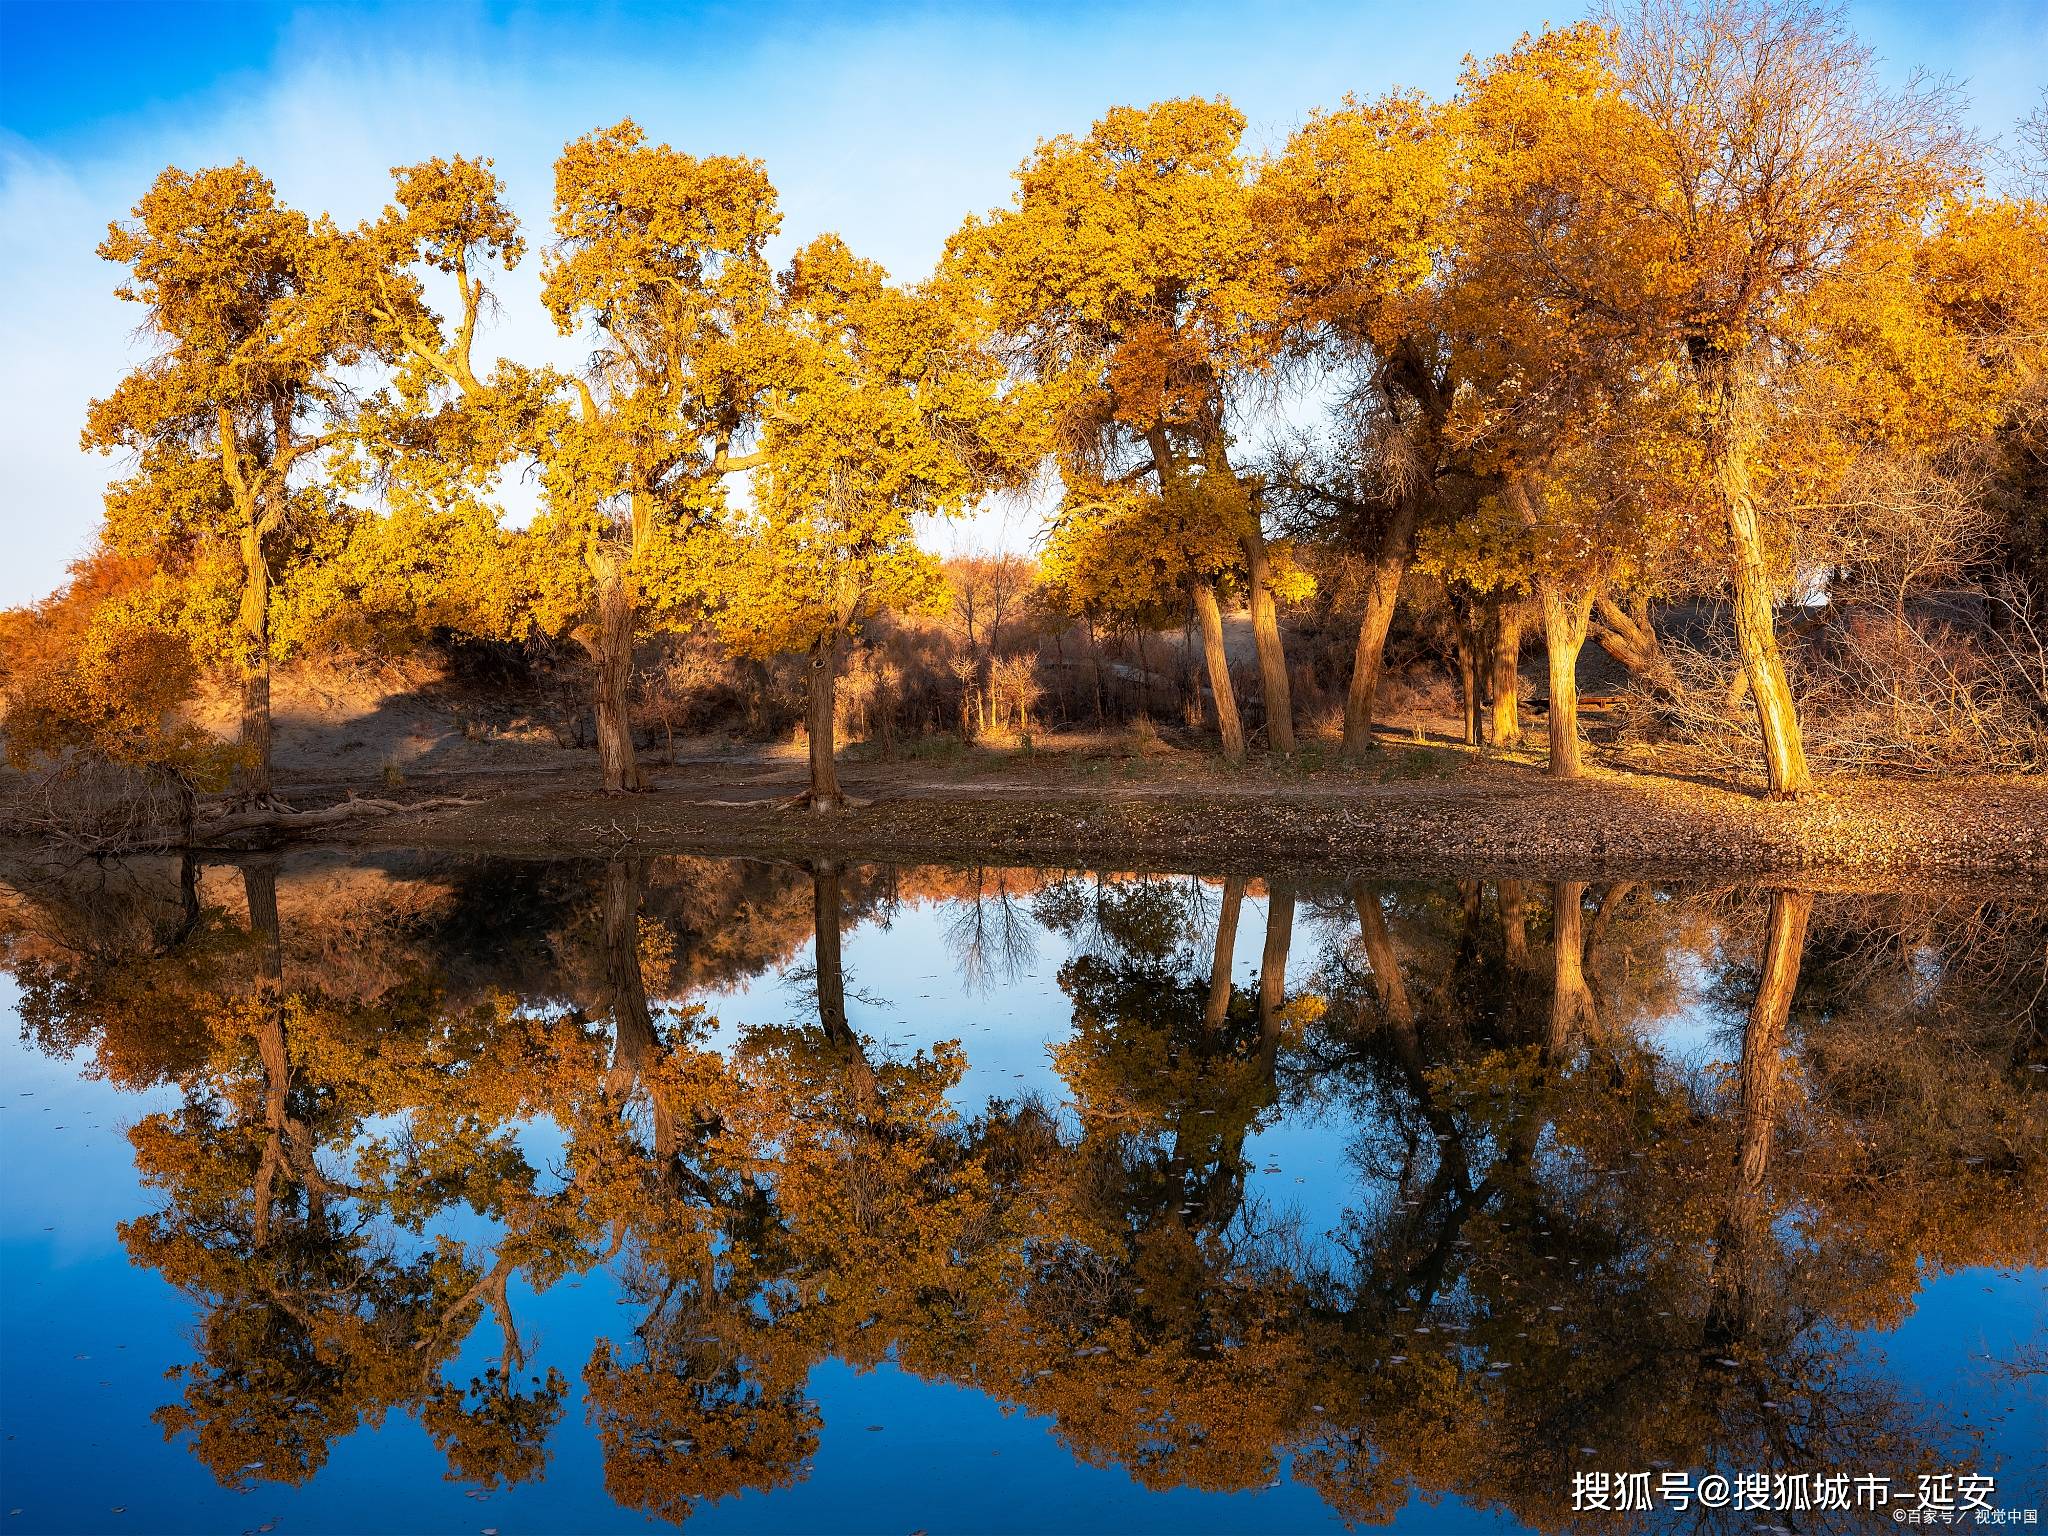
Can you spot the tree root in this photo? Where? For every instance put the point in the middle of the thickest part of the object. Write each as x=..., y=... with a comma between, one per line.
x=803, y=801
x=281, y=819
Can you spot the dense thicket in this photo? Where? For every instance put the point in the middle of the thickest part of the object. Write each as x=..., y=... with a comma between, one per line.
x=1775, y=349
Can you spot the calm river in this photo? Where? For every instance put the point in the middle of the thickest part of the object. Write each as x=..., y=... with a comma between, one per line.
x=403, y=1193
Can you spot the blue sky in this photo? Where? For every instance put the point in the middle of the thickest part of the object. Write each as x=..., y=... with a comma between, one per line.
x=886, y=123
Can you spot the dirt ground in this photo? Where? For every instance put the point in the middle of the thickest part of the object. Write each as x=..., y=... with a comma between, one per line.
x=1425, y=808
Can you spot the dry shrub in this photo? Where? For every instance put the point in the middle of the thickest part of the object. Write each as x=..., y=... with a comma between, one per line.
x=690, y=685
x=1143, y=739
x=1880, y=693
x=93, y=805
x=1014, y=690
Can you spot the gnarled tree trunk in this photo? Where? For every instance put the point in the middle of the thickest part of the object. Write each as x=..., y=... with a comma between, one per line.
x=1280, y=900
x=827, y=916
x=1382, y=592
x=1629, y=635
x=1756, y=633
x=1565, y=618
x=820, y=716
x=259, y=887
x=1228, y=726
x=1503, y=673
x=608, y=640
x=1763, y=664
x=1514, y=923
x=1279, y=697
x=1470, y=684
x=252, y=634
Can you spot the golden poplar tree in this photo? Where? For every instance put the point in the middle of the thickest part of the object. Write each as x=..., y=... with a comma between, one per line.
x=1129, y=282
x=658, y=262
x=1356, y=210
x=877, y=414
x=1748, y=149
x=252, y=308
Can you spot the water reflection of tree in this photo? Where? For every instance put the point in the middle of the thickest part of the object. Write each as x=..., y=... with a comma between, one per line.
x=1564, y=1236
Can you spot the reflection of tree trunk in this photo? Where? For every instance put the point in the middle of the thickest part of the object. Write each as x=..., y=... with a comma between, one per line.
x=259, y=888
x=1272, y=653
x=1611, y=901
x=1514, y=923
x=189, y=911
x=1227, y=724
x=819, y=723
x=827, y=908
x=1381, y=956
x=609, y=642
x=1504, y=655
x=1756, y=632
x=1273, y=961
x=827, y=915
x=1471, y=903
x=1382, y=591
x=1564, y=633
x=1218, y=1005
x=633, y=1042
x=1744, y=1236
x=1571, y=1000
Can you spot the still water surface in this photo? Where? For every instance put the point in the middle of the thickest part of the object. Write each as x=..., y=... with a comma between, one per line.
x=403, y=1193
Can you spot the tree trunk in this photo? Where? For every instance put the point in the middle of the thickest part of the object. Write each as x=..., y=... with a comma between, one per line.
x=1094, y=666
x=1227, y=725
x=1382, y=592
x=1469, y=684
x=1744, y=1234
x=609, y=642
x=1756, y=633
x=1564, y=633
x=818, y=724
x=1279, y=697
x=1630, y=637
x=1504, y=673
x=1217, y=1006
x=1763, y=1038
x=1755, y=626
x=252, y=627
x=1571, y=1000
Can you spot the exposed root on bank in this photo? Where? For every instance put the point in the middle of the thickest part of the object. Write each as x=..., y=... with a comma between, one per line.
x=805, y=800
x=281, y=818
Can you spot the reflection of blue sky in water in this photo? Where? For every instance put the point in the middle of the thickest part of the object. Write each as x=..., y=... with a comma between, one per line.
x=87, y=1338
x=907, y=975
